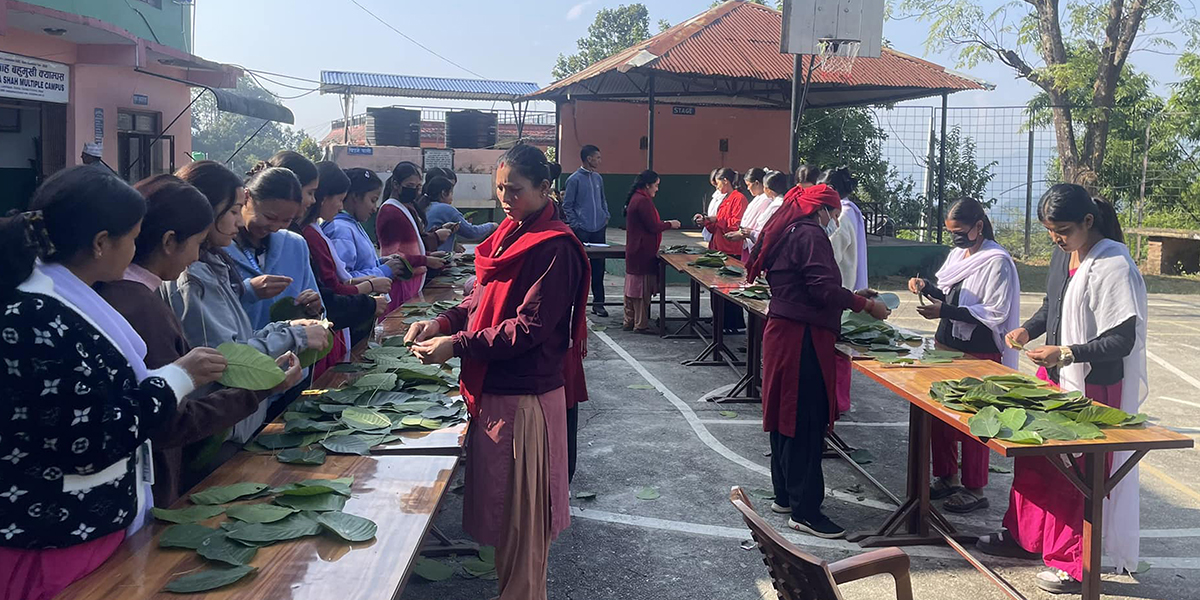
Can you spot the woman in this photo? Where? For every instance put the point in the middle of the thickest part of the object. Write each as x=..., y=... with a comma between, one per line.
x=728, y=218
x=977, y=299
x=207, y=298
x=439, y=194
x=400, y=229
x=807, y=300
x=643, y=236
x=350, y=240
x=1094, y=320
x=349, y=300
x=777, y=187
x=304, y=170
x=264, y=245
x=513, y=333
x=77, y=401
x=850, y=239
x=755, y=181
x=177, y=221
x=714, y=202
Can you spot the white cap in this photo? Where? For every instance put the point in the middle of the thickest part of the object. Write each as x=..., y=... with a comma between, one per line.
x=96, y=150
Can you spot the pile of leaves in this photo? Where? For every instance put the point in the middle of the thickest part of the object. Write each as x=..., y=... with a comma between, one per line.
x=681, y=249
x=457, y=272
x=865, y=331
x=928, y=357
x=481, y=567
x=731, y=271
x=1021, y=409
x=757, y=292
x=296, y=510
x=711, y=260
x=424, y=311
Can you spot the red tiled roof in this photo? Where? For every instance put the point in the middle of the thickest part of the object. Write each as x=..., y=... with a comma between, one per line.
x=740, y=40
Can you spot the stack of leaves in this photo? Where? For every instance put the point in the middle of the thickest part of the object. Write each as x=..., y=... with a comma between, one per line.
x=424, y=311
x=1021, y=409
x=731, y=271
x=756, y=292
x=891, y=355
x=865, y=331
x=481, y=567
x=710, y=260
x=296, y=510
x=681, y=249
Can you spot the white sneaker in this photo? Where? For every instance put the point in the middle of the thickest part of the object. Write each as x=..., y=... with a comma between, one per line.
x=783, y=510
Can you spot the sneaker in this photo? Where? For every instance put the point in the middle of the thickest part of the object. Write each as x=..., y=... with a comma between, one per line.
x=821, y=527
x=599, y=311
x=783, y=510
x=1056, y=581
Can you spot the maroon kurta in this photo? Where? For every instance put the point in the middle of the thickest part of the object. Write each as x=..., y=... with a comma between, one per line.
x=806, y=295
x=643, y=235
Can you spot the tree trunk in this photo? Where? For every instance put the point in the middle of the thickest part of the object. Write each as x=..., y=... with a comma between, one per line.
x=1055, y=53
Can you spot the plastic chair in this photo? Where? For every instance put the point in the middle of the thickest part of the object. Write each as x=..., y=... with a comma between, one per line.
x=798, y=575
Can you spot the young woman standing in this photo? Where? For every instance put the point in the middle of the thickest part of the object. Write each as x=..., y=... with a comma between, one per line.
x=756, y=183
x=524, y=318
x=727, y=219
x=400, y=229
x=77, y=401
x=807, y=300
x=177, y=221
x=643, y=236
x=1094, y=320
x=776, y=187
x=976, y=297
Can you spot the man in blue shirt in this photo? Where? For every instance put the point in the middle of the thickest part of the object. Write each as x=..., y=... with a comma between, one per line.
x=587, y=213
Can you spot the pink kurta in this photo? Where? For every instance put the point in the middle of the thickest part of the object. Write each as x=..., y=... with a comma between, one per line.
x=490, y=462
x=1045, y=511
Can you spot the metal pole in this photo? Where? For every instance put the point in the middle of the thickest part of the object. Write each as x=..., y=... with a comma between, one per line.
x=794, y=138
x=557, y=134
x=798, y=113
x=942, y=173
x=1029, y=191
x=1141, y=207
x=345, y=119
x=650, y=128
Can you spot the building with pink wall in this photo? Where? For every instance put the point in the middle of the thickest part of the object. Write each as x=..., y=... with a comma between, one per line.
x=68, y=79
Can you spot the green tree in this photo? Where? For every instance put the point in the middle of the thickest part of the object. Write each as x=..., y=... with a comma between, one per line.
x=1038, y=39
x=220, y=133
x=614, y=29
x=964, y=175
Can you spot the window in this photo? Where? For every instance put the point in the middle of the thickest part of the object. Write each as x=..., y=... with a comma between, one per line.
x=142, y=152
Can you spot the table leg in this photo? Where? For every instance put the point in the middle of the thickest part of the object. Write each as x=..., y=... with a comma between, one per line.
x=716, y=353
x=1093, y=520
x=749, y=388
x=662, y=298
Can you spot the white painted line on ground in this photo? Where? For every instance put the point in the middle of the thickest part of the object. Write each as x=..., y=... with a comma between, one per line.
x=1172, y=368
x=735, y=533
x=705, y=436
x=1178, y=401
x=839, y=423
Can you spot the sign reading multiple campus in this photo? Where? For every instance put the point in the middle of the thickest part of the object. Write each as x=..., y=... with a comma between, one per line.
x=32, y=79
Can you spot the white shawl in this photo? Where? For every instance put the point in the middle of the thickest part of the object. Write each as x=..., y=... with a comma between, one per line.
x=713, y=206
x=991, y=291
x=1106, y=291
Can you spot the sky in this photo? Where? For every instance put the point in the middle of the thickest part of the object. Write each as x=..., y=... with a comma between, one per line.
x=515, y=40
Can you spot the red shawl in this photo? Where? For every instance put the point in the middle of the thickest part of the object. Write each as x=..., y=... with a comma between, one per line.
x=797, y=204
x=496, y=268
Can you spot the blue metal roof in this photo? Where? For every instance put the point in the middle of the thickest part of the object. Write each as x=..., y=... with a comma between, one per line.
x=408, y=86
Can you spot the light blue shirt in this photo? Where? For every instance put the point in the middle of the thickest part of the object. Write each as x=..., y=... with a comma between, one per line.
x=583, y=201
x=440, y=213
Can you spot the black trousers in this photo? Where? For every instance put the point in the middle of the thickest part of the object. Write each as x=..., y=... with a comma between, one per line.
x=735, y=318
x=572, y=433
x=796, y=461
x=594, y=237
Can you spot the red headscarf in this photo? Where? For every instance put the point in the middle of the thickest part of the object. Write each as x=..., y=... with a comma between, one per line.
x=494, y=280
x=797, y=204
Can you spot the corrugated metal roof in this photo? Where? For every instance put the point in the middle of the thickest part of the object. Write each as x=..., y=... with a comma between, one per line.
x=409, y=86
x=740, y=41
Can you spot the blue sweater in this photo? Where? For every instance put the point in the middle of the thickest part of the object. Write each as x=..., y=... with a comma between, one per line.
x=287, y=255
x=583, y=201
x=440, y=213
x=354, y=247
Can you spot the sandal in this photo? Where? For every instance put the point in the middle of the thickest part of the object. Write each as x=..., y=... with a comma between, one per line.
x=1056, y=581
x=940, y=489
x=1002, y=543
x=962, y=502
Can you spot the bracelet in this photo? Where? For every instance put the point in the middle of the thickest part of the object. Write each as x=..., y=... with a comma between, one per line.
x=371, y=282
x=1066, y=356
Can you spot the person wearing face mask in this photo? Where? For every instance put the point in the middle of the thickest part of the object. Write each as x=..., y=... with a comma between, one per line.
x=1094, y=319
x=350, y=240
x=177, y=221
x=807, y=301
x=976, y=299
x=400, y=229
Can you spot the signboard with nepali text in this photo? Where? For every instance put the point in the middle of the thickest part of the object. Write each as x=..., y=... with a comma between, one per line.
x=33, y=79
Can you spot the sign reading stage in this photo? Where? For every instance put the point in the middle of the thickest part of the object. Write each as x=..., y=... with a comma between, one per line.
x=683, y=110
x=33, y=79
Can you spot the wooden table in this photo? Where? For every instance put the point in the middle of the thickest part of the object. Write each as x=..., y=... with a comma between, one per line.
x=401, y=494
x=606, y=252
x=913, y=520
x=692, y=327
x=748, y=389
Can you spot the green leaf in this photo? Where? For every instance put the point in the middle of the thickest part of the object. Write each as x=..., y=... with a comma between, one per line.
x=1101, y=415
x=364, y=418
x=934, y=360
x=376, y=381
x=227, y=493
x=286, y=309
x=279, y=441
x=999, y=469
x=302, y=456
x=351, y=528
x=210, y=579
x=258, y=513
x=943, y=354
x=648, y=493
x=1013, y=418
x=289, y=528
x=191, y=514
x=728, y=414
x=220, y=548
x=862, y=456
x=640, y=386
x=761, y=494
x=321, y=503
x=309, y=426
x=431, y=424
x=1052, y=431
x=347, y=444
x=585, y=496
x=185, y=535
x=312, y=487
x=1142, y=567
x=432, y=570
x=1024, y=436
x=479, y=569
x=311, y=356
x=249, y=369
x=986, y=423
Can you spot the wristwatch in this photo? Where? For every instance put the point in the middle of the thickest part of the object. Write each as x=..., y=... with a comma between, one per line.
x=1066, y=357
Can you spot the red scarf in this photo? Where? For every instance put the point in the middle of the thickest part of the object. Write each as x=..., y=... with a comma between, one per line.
x=797, y=204
x=498, y=263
